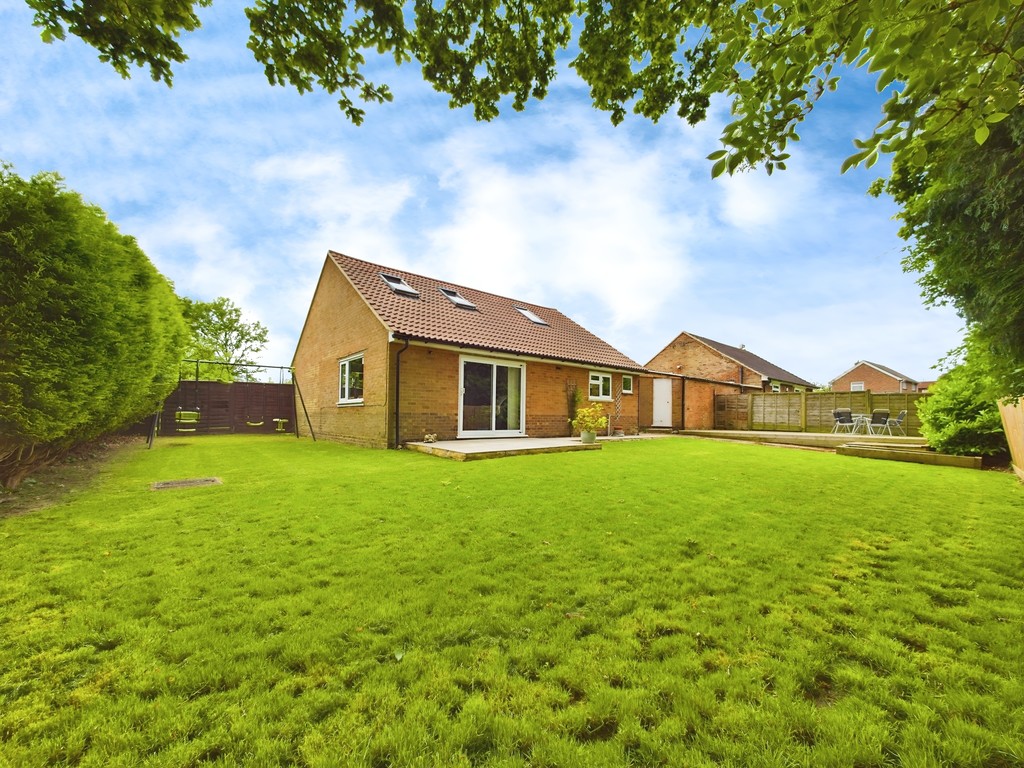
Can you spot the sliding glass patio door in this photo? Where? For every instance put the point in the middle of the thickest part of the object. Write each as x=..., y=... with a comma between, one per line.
x=491, y=402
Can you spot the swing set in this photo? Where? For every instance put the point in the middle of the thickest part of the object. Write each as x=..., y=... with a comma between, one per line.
x=204, y=407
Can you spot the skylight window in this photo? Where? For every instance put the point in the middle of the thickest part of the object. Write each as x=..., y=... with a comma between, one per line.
x=457, y=299
x=530, y=316
x=398, y=285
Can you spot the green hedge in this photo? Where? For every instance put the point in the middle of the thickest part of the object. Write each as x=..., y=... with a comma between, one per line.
x=90, y=332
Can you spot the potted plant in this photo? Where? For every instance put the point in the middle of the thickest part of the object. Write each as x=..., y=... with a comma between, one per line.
x=588, y=421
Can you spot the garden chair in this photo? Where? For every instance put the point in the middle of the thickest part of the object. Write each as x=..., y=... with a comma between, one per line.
x=898, y=423
x=879, y=422
x=843, y=420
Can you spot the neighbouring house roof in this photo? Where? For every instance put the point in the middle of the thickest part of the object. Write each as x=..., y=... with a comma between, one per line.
x=884, y=369
x=495, y=323
x=748, y=359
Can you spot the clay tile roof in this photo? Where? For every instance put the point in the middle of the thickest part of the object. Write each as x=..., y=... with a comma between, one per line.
x=749, y=360
x=891, y=372
x=494, y=325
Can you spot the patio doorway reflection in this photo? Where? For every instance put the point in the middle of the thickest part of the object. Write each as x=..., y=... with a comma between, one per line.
x=492, y=402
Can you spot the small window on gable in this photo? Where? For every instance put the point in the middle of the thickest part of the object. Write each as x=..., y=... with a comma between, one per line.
x=457, y=299
x=600, y=386
x=398, y=285
x=532, y=317
x=627, y=384
x=856, y=386
x=350, y=380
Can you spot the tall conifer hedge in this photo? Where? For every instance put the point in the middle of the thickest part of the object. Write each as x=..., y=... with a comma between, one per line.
x=90, y=332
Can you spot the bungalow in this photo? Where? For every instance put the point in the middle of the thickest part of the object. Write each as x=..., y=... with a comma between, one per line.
x=691, y=370
x=867, y=376
x=692, y=355
x=388, y=356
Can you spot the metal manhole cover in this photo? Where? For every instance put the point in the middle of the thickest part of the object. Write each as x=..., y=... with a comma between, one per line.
x=193, y=482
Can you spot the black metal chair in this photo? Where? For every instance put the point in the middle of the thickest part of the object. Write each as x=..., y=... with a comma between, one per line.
x=898, y=423
x=879, y=422
x=843, y=420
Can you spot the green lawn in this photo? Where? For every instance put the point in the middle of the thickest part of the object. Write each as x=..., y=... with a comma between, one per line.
x=671, y=602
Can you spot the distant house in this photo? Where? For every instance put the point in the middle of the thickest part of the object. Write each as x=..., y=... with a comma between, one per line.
x=696, y=356
x=387, y=356
x=868, y=376
x=691, y=370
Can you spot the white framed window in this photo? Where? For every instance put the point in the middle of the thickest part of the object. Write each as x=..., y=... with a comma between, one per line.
x=350, y=380
x=627, y=384
x=776, y=387
x=600, y=386
x=856, y=386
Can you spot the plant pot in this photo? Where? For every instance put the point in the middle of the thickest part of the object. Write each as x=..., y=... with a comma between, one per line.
x=588, y=437
x=618, y=432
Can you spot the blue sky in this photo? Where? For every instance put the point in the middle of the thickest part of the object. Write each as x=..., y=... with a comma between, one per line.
x=236, y=188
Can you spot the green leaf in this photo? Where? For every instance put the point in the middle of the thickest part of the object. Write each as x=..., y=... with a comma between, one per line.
x=981, y=134
x=996, y=117
x=718, y=153
x=853, y=160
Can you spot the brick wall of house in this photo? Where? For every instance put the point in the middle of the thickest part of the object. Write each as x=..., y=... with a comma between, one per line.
x=429, y=394
x=690, y=357
x=874, y=380
x=548, y=388
x=340, y=324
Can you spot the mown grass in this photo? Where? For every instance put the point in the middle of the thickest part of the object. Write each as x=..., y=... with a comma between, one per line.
x=673, y=602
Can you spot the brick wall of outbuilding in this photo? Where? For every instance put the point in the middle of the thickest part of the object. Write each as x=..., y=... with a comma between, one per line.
x=694, y=398
x=689, y=357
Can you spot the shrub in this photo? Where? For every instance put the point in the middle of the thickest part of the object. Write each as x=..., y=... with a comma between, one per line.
x=961, y=416
x=590, y=419
x=91, y=333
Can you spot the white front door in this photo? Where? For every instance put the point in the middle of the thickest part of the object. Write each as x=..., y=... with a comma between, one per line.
x=492, y=401
x=662, y=403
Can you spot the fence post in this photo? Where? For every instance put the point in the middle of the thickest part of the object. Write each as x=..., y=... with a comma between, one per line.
x=803, y=411
x=750, y=411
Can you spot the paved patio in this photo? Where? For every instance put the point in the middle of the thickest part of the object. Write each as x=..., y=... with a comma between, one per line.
x=493, y=448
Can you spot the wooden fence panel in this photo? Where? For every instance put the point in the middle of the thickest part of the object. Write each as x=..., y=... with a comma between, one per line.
x=242, y=407
x=731, y=412
x=808, y=411
x=1013, y=425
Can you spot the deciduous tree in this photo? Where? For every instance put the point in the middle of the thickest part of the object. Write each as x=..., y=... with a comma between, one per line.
x=944, y=63
x=963, y=217
x=219, y=334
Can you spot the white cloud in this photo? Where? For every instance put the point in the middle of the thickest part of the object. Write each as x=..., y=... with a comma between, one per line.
x=588, y=223
x=236, y=188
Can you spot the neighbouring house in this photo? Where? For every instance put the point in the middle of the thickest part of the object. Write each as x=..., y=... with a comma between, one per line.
x=387, y=357
x=872, y=377
x=691, y=355
x=691, y=370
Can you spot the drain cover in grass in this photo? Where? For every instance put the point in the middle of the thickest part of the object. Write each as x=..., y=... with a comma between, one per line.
x=190, y=483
